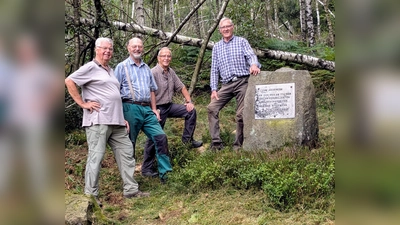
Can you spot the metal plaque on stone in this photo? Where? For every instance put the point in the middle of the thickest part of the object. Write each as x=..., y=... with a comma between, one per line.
x=274, y=101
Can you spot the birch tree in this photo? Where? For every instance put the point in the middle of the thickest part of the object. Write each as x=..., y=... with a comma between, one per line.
x=189, y=41
x=204, y=47
x=303, y=27
x=268, y=18
x=331, y=39
x=318, y=20
x=186, y=19
x=276, y=19
x=171, y=11
x=310, y=24
x=156, y=14
x=195, y=19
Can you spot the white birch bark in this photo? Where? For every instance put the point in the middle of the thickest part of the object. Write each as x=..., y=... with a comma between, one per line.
x=318, y=21
x=171, y=12
x=189, y=41
x=303, y=21
x=268, y=18
x=310, y=24
x=276, y=19
x=331, y=39
x=139, y=12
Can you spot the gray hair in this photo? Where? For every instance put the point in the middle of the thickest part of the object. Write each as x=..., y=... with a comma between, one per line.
x=134, y=39
x=164, y=48
x=103, y=39
x=225, y=18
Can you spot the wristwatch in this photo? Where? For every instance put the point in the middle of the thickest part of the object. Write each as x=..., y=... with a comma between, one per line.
x=189, y=101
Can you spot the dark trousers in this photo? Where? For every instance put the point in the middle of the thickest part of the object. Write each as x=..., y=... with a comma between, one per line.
x=236, y=89
x=170, y=111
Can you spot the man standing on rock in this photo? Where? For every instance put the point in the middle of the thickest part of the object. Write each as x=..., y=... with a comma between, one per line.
x=233, y=60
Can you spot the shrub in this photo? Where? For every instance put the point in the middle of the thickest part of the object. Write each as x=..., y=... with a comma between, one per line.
x=287, y=177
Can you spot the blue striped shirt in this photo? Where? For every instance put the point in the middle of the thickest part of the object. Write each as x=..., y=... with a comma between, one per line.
x=141, y=77
x=230, y=59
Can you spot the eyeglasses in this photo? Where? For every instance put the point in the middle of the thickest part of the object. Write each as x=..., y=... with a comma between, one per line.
x=227, y=26
x=165, y=56
x=136, y=46
x=105, y=48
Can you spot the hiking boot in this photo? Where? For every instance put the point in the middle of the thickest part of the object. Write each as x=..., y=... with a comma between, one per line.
x=137, y=194
x=150, y=174
x=196, y=144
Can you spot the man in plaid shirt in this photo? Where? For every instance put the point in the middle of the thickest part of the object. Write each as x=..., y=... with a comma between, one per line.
x=233, y=61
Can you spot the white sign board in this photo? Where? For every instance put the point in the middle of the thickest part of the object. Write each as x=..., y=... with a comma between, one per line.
x=274, y=101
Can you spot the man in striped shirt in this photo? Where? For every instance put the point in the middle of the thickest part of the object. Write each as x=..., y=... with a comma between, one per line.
x=233, y=61
x=137, y=87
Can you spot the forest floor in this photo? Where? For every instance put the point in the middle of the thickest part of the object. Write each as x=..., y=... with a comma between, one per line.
x=168, y=205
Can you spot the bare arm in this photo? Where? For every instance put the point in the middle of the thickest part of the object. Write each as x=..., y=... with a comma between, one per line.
x=73, y=91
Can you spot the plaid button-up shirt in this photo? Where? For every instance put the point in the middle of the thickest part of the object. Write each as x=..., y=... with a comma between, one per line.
x=230, y=59
x=168, y=83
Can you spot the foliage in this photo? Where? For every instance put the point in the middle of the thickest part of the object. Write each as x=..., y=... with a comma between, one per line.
x=290, y=45
x=75, y=138
x=248, y=16
x=73, y=118
x=264, y=187
x=288, y=177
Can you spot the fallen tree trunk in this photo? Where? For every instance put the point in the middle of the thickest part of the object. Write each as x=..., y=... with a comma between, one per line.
x=184, y=40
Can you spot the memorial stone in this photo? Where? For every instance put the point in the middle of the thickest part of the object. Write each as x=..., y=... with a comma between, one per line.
x=280, y=110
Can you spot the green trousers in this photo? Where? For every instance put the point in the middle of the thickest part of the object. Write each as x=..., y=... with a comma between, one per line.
x=143, y=118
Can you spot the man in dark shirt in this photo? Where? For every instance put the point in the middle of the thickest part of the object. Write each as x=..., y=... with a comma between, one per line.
x=168, y=83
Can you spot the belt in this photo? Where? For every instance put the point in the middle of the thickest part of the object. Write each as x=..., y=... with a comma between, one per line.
x=235, y=78
x=135, y=102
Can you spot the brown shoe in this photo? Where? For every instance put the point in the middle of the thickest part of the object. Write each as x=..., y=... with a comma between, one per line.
x=137, y=194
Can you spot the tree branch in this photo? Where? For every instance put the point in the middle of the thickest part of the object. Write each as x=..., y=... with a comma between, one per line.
x=178, y=29
x=189, y=41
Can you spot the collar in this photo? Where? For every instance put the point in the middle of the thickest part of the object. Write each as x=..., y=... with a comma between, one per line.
x=99, y=64
x=131, y=62
x=160, y=68
x=228, y=40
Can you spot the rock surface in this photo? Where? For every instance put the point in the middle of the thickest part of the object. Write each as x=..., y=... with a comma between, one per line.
x=269, y=134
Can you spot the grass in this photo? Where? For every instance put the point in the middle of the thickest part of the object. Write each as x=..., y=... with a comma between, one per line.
x=286, y=186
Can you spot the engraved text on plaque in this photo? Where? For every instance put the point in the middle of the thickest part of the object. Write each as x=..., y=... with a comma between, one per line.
x=275, y=101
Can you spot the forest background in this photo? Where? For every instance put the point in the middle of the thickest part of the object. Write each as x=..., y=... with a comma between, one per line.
x=298, y=34
x=366, y=49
